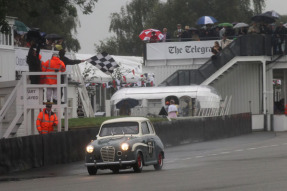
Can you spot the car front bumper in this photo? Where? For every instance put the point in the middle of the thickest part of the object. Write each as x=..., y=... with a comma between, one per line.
x=115, y=163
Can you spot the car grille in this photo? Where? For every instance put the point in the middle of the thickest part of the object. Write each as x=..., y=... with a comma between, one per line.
x=108, y=153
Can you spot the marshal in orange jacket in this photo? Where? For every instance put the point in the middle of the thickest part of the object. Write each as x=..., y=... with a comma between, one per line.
x=46, y=121
x=53, y=65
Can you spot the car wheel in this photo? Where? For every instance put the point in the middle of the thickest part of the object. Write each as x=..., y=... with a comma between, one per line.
x=159, y=164
x=92, y=170
x=139, y=163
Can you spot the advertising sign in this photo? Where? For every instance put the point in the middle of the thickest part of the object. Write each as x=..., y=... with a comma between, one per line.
x=179, y=50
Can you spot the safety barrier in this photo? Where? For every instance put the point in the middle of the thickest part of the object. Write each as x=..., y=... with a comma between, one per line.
x=22, y=153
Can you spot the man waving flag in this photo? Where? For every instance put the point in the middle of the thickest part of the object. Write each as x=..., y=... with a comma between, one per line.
x=104, y=62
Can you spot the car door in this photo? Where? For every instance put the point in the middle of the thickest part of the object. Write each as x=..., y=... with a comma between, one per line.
x=149, y=140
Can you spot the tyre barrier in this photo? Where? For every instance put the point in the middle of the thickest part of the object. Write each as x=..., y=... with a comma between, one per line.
x=22, y=153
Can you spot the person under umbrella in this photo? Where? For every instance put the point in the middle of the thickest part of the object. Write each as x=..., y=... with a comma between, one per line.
x=253, y=29
x=280, y=33
x=153, y=38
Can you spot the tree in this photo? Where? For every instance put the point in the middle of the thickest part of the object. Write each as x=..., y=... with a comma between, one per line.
x=140, y=15
x=53, y=16
x=128, y=24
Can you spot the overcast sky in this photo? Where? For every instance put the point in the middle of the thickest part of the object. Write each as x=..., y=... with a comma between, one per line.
x=95, y=27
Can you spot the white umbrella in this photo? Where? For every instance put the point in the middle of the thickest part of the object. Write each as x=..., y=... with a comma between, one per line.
x=240, y=25
x=204, y=20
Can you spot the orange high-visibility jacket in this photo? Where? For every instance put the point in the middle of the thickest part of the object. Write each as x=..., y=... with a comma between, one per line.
x=51, y=66
x=45, y=122
x=43, y=68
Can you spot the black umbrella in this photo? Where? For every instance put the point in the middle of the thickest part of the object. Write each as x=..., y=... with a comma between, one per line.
x=129, y=102
x=53, y=36
x=263, y=18
x=273, y=14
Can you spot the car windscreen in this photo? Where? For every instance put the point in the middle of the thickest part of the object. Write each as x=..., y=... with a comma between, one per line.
x=120, y=128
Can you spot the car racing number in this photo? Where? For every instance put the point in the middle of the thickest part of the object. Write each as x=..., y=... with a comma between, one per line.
x=150, y=145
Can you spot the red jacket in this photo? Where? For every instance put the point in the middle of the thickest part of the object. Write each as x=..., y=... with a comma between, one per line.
x=53, y=65
x=45, y=122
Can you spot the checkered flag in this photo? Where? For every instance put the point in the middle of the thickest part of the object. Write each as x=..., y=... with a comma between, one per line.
x=104, y=62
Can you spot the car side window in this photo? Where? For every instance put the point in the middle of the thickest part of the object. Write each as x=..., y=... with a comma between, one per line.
x=151, y=130
x=145, y=129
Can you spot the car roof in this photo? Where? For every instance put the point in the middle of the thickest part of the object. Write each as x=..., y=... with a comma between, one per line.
x=126, y=119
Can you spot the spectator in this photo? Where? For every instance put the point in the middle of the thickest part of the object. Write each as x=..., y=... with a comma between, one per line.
x=280, y=33
x=153, y=38
x=194, y=36
x=53, y=65
x=166, y=35
x=34, y=63
x=49, y=44
x=216, y=32
x=209, y=34
x=263, y=28
x=216, y=48
x=253, y=29
x=222, y=32
x=59, y=44
x=46, y=120
x=125, y=109
x=178, y=32
x=186, y=36
x=172, y=110
x=225, y=41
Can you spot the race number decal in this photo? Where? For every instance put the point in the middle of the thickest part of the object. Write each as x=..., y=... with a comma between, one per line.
x=150, y=145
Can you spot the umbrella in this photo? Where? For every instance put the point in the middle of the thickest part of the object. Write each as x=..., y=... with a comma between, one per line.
x=53, y=36
x=20, y=27
x=225, y=25
x=129, y=102
x=204, y=20
x=263, y=18
x=285, y=25
x=240, y=25
x=273, y=14
x=146, y=34
x=33, y=35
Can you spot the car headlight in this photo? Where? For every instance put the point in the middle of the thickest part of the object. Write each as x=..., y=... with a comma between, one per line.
x=125, y=146
x=89, y=148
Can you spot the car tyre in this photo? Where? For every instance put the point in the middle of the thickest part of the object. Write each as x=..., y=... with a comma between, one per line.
x=92, y=170
x=139, y=163
x=159, y=164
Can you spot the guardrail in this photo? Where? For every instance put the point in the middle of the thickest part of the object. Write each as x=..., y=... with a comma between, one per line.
x=33, y=151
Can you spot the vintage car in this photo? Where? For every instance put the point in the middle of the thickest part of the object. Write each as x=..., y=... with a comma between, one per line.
x=122, y=143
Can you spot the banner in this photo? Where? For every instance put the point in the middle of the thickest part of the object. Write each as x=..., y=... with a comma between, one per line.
x=21, y=54
x=179, y=50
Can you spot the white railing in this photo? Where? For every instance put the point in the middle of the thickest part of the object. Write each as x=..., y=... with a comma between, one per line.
x=27, y=108
x=7, y=39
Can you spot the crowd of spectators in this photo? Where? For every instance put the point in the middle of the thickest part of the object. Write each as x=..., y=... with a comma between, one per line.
x=225, y=34
x=20, y=40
